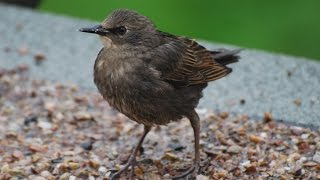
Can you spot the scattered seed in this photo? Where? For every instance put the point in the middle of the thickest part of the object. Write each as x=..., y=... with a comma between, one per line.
x=267, y=117
x=39, y=58
x=224, y=115
x=242, y=101
x=255, y=139
x=23, y=51
x=297, y=102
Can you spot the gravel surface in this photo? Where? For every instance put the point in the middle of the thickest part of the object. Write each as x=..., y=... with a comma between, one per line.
x=287, y=87
x=60, y=131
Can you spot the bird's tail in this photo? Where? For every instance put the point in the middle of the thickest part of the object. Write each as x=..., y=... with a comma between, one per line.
x=225, y=57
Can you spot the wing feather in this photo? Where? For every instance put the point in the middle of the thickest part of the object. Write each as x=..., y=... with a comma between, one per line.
x=183, y=62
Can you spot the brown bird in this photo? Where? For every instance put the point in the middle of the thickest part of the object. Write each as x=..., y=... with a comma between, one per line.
x=154, y=77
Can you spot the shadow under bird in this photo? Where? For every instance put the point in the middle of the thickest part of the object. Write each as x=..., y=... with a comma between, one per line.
x=154, y=77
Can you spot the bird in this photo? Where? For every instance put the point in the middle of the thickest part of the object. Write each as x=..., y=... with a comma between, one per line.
x=154, y=77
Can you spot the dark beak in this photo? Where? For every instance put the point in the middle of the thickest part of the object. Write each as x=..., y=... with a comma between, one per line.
x=98, y=29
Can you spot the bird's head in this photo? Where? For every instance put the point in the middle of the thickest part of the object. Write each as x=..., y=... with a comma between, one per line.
x=124, y=28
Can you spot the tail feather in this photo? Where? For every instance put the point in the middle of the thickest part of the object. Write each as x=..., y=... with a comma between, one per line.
x=225, y=57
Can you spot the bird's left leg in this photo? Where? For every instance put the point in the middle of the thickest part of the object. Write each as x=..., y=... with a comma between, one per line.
x=132, y=160
x=195, y=123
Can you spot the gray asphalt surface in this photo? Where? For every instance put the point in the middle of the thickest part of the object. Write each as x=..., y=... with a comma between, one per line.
x=264, y=81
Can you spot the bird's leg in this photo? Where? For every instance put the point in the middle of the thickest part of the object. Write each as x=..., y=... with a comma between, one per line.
x=132, y=160
x=195, y=123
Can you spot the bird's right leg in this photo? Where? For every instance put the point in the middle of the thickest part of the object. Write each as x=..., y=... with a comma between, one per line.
x=194, y=170
x=132, y=160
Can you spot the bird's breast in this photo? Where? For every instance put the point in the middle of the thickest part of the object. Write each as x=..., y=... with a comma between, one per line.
x=114, y=80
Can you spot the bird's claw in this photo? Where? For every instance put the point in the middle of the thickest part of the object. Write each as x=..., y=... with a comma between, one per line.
x=193, y=171
x=131, y=163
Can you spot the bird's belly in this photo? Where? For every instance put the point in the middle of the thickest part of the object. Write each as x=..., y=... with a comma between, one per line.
x=142, y=107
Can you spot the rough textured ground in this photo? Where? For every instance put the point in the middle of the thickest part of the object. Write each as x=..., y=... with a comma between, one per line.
x=58, y=131
x=286, y=86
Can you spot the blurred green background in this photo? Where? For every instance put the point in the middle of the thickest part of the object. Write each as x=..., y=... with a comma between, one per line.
x=286, y=26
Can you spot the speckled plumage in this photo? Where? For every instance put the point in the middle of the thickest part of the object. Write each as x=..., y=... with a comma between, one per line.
x=154, y=77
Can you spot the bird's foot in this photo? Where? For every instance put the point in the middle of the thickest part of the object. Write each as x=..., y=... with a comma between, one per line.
x=193, y=171
x=131, y=163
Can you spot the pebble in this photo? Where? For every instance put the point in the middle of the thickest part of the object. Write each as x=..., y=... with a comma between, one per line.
x=267, y=117
x=91, y=178
x=56, y=170
x=255, y=139
x=86, y=145
x=264, y=135
x=23, y=51
x=73, y=165
x=107, y=175
x=31, y=176
x=17, y=154
x=301, y=160
x=234, y=149
x=202, y=177
x=94, y=164
x=50, y=107
x=176, y=146
x=245, y=163
x=16, y=172
x=102, y=170
x=293, y=157
x=305, y=136
x=39, y=57
x=35, y=158
x=166, y=176
x=273, y=163
x=38, y=148
x=251, y=169
x=11, y=134
x=287, y=168
x=224, y=115
x=46, y=174
x=57, y=160
x=39, y=178
x=5, y=168
x=83, y=116
x=242, y=101
x=72, y=177
x=171, y=156
x=45, y=125
x=316, y=157
x=29, y=120
x=281, y=171
x=296, y=130
x=65, y=176
x=201, y=110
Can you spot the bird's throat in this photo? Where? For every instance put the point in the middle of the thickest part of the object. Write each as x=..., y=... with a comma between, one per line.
x=107, y=42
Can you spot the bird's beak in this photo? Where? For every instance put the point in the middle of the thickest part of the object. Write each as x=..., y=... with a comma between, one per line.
x=98, y=29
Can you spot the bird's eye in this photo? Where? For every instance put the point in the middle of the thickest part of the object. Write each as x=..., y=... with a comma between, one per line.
x=121, y=30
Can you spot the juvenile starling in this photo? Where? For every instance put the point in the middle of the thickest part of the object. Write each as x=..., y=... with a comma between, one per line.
x=154, y=77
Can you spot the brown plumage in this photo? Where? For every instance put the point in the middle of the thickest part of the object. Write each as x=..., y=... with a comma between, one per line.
x=154, y=77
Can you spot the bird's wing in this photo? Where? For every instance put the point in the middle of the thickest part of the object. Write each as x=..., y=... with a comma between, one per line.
x=184, y=62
